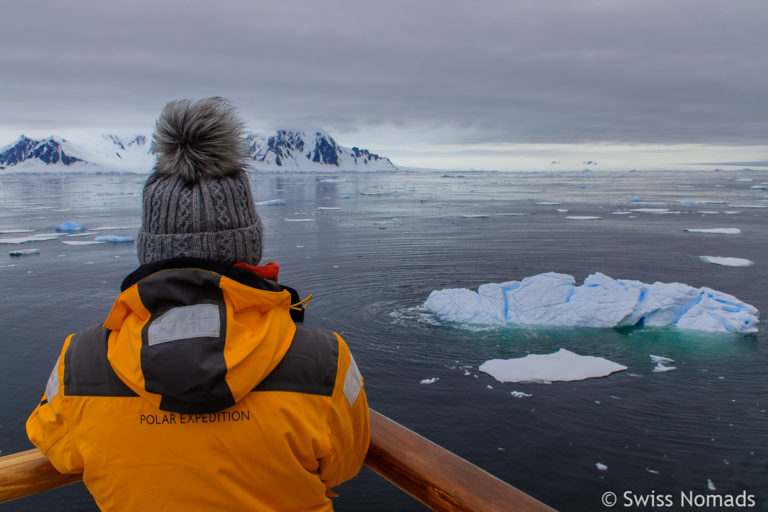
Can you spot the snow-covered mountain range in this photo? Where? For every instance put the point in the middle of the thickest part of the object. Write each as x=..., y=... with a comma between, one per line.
x=52, y=154
x=294, y=150
x=48, y=151
x=285, y=150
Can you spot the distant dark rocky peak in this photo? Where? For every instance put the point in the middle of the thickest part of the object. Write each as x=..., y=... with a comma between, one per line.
x=48, y=151
x=326, y=150
x=253, y=143
x=137, y=141
x=284, y=142
x=316, y=147
x=309, y=150
x=365, y=156
x=115, y=140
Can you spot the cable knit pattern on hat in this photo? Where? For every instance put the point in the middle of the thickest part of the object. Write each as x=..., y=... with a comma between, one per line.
x=202, y=207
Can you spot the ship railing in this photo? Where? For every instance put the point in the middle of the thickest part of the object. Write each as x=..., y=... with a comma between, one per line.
x=438, y=478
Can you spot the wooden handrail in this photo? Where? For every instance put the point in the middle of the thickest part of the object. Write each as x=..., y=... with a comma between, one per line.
x=438, y=478
x=29, y=472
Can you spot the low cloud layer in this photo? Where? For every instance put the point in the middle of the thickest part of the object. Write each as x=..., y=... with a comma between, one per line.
x=638, y=71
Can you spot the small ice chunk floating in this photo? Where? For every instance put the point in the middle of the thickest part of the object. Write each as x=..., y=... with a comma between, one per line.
x=69, y=227
x=114, y=239
x=24, y=252
x=553, y=299
x=273, y=202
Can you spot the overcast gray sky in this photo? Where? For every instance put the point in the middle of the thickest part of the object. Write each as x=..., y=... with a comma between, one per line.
x=419, y=80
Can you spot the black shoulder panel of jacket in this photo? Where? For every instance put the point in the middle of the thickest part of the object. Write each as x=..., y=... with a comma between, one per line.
x=166, y=365
x=309, y=366
x=87, y=371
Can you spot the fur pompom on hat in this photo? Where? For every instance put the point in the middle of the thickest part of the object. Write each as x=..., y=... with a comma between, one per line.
x=197, y=140
x=198, y=201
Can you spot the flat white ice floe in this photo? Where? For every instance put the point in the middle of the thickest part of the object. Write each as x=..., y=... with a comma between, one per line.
x=112, y=228
x=272, y=202
x=719, y=231
x=4, y=231
x=562, y=365
x=727, y=261
x=553, y=299
x=655, y=211
x=84, y=233
x=31, y=238
x=582, y=217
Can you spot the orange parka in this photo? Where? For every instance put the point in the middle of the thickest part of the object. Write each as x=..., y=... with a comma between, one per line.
x=201, y=392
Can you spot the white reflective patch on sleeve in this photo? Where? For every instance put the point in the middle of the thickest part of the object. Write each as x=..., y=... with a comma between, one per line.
x=353, y=382
x=184, y=322
x=52, y=387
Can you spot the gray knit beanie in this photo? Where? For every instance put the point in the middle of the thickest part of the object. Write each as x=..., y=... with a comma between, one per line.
x=198, y=200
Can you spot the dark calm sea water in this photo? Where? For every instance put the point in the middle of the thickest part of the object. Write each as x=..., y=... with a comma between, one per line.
x=371, y=248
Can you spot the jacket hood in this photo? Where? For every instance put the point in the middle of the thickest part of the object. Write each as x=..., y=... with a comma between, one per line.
x=196, y=336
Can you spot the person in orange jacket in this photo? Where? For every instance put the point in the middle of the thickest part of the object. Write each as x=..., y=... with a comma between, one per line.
x=203, y=389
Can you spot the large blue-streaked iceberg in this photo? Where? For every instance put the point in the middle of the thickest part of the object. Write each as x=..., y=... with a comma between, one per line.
x=554, y=299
